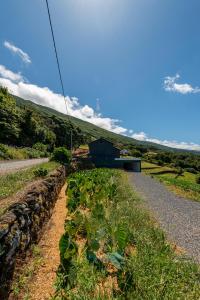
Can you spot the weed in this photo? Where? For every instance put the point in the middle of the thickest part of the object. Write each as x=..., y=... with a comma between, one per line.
x=20, y=284
x=41, y=172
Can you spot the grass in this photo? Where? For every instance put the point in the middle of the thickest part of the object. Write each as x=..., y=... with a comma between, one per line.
x=112, y=249
x=11, y=183
x=11, y=152
x=20, y=283
x=84, y=147
x=184, y=185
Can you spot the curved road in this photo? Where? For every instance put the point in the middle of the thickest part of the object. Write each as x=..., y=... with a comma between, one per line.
x=13, y=166
x=179, y=217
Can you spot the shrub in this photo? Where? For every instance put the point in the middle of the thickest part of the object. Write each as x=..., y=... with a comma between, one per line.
x=40, y=172
x=179, y=171
x=3, y=152
x=40, y=147
x=33, y=153
x=61, y=155
x=160, y=163
x=198, y=179
x=191, y=170
x=136, y=153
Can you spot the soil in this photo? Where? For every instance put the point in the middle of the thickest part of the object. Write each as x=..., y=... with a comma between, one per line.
x=40, y=286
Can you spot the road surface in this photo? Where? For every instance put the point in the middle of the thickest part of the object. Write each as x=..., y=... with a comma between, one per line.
x=179, y=217
x=13, y=166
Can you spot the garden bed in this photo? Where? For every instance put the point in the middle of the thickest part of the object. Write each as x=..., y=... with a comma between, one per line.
x=112, y=249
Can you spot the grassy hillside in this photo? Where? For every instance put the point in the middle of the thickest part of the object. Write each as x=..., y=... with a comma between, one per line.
x=88, y=128
x=94, y=131
x=24, y=124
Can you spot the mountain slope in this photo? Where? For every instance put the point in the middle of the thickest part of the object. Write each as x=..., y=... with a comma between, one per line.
x=95, y=131
x=88, y=128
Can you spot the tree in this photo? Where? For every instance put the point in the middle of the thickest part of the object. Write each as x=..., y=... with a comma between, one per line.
x=9, y=118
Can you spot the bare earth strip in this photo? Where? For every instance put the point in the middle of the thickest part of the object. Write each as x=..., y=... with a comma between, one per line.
x=41, y=285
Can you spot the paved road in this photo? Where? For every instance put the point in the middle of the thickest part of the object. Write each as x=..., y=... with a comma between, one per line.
x=179, y=217
x=13, y=166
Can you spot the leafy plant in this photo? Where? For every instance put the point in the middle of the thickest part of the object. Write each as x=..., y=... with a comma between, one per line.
x=111, y=249
x=41, y=172
x=198, y=179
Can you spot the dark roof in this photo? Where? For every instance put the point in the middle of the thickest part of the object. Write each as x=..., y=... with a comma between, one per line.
x=102, y=139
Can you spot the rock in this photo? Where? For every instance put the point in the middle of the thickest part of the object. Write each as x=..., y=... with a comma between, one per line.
x=22, y=224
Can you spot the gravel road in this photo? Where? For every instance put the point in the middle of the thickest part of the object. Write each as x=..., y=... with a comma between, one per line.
x=13, y=166
x=179, y=217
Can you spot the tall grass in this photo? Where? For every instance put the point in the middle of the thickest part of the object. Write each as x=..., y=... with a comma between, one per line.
x=11, y=152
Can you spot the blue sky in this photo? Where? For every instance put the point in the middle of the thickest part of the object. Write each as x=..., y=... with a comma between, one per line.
x=131, y=66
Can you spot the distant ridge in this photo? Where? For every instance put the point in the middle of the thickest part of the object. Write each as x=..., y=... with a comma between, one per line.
x=93, y=130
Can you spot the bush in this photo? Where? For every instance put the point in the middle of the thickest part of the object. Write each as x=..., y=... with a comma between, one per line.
x=33, y=153
x=40, y=147
x=3, y=152
x=179, y=171
x=198, y=179
x=136, y=153
x=40, y=172
x=191, y=170
x=160, y=163
x=61, y=155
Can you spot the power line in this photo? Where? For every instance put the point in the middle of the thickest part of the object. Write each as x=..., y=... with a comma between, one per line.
x=56, y=54
x=59, y=69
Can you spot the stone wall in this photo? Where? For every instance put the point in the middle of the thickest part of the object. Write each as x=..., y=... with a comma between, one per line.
x=22, y=224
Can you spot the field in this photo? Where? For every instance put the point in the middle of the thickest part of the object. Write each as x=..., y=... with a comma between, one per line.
x=184, y=185
x=111, y=249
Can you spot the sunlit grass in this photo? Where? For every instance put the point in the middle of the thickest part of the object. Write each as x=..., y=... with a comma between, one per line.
x=11, y=183
x=184, y=185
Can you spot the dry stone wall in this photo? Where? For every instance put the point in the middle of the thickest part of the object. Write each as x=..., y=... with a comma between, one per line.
x=22, y=224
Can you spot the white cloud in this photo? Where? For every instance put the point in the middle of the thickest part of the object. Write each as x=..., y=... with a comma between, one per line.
x=23, y=55
x=142, y=136
x=170, y=85
x=44, y=96
x=5, y=73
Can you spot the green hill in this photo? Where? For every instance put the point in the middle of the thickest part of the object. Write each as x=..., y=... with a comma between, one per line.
x=89, y=129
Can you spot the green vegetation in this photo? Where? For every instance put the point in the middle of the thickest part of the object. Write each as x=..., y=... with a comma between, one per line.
x=10, y=152
x=23, y=126
x=182, y=183
x=91, y=131
x=61, y=155
x=26, y=124
x=198, y=179
x=20, y=283
x=11, y=183
x=41, y=172
x=111, y=249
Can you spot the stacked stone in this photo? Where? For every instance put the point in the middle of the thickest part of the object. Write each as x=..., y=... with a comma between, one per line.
x=22, y=224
